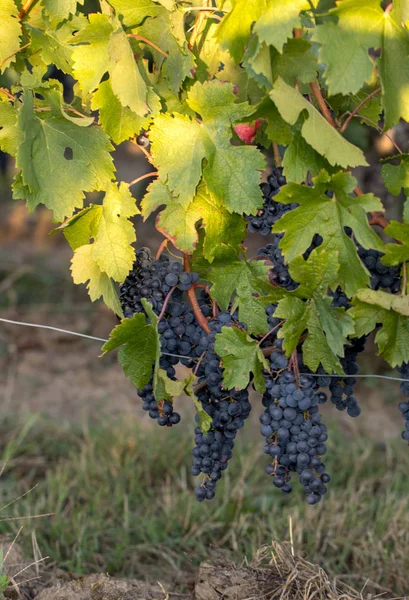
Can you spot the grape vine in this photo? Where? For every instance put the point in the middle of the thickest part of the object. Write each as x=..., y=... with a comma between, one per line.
x=241, y=112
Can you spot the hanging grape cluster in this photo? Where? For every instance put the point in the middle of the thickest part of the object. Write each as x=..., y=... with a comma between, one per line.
x=291, y=425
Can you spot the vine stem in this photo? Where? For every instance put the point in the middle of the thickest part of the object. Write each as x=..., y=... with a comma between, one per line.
x=25, y=9
x=404, y=279
x=277, y=155
x=166, y=302
x=144, y=39
x=142, y=177
x=315, y=88
x=269, y=333
x=8, y=94
x=201, y=319
x=161, y=248
x=356, y=109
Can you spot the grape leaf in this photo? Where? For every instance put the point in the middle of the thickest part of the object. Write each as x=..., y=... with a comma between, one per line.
x=309, y=308
x=234, y=30
x=344, y=50
x=316, y=131
x=112, y=246
x=52, y=45
x=139, y=345
x=300, y=157
x=79, y=229
x=224, y=231
x=241, y=281
x=109, y=226
x=296, y=62
x=205, y=420
x=10, y=135
x=371, y=309
x=210, y=52
x=257, y=61
x=241, y=356
x=133, y=12
x=394, y=69
x=58, y=10
x=396, y=177
x=118, y=121
x=48, y=176
x=396, y=254
x=345, y=44
x=104, y=46
x=180, y=144
x=178, y=150
x=164, y=388
x=277, y=129
x=10, y=33
x=277, y=22
x=180, y=61
x=369, y=111
x=318, y=213
x=84, y=268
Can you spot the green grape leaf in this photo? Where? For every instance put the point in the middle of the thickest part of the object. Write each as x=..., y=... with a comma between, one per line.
x=300, y=157
x=10, y=135
x=164, y=388
x=205, y=420
x=180, y=144
x=245, y=283
x=394, y=69
x=109, y=226
x=104, y=46
x=85, y=269
x=118, y=121
x=316, y=131
x=257, y=61
x=139, y=345
x=396, y=177
x=52, y=177
x=180, y=61
x=396, y=254
x=79, y=229
x=371, y=309
x=277, y=129
x=52, y=45
x=369, y=111
x=241, y=356
x=345, y=44
x=58, y=10
x=327, y=327
x=297, y=62
x=112, y=246
x=133, y=13
x=224, y=231
x=178, y=151
x=326, y=216
x=10, y=33
x=210, y=52
x=278, y=20
x=234, y=30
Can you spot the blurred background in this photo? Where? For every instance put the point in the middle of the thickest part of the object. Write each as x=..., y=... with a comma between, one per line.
x=119, y=487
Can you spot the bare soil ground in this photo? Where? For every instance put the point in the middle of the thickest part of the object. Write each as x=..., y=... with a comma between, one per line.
x=275, y=574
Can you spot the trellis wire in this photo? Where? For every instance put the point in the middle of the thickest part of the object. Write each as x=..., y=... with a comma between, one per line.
x=91, y=337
